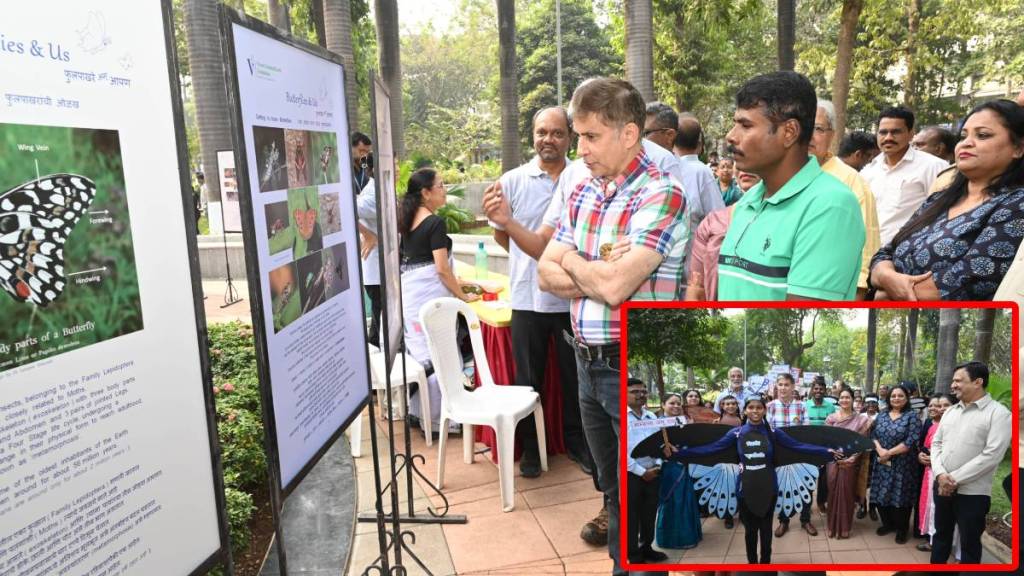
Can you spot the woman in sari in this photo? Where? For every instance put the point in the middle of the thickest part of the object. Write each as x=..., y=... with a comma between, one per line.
x=843, y=474
x=678, y=524
x=937, y=406
x=427, y=271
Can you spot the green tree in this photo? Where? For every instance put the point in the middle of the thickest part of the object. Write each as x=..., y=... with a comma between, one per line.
x=788, y=333
x=691, y=337
x=587, y=46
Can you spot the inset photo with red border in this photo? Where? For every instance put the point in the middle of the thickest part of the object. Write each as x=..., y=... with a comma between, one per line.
x=809, y=437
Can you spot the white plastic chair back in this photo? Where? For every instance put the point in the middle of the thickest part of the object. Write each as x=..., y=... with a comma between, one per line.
x=439, y=318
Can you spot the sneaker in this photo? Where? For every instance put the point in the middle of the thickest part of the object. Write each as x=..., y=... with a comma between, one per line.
x=652, y=555
x=595, y=532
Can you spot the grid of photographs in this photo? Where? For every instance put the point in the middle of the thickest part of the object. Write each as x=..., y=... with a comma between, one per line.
x=294, y=165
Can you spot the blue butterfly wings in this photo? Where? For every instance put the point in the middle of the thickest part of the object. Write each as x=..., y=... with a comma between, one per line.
x=36, y=219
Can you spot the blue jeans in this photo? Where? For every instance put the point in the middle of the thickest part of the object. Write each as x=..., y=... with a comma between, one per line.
x=599, y=411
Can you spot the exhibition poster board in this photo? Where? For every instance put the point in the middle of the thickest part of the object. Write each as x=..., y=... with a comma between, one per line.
x=229, y=191
x=107, y=459
x=387, y=216
x=302, y=254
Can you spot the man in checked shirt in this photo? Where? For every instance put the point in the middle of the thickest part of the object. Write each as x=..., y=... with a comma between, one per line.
x=625, y=197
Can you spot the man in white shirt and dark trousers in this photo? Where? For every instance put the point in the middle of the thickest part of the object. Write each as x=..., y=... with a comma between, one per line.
x=972, y=437
x=642, y=484
x=538, y=316
x=900, y=177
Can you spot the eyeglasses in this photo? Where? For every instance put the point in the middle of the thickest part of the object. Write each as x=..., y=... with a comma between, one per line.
x=653, y=130
x=892, y=132
x=821, y=129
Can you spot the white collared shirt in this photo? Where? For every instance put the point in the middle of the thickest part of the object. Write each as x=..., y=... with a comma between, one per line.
x=970, y=443
x=366, y=211
x=901, y=189
x=634, y=437
x=528, y=189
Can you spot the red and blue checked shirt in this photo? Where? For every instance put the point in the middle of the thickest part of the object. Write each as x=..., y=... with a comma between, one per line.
x=780, y=415
x=645, y=205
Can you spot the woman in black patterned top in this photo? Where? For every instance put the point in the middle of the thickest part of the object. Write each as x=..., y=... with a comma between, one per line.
x=961, y=241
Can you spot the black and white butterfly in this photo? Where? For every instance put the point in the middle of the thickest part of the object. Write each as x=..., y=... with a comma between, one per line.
x=36, y=219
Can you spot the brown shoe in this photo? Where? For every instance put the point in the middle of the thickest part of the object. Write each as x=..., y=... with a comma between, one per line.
x=781, y=529
x=595, y=532
x=810, y=529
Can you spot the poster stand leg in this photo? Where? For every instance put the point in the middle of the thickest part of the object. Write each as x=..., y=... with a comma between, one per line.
x=230, y=293
x=406, y=462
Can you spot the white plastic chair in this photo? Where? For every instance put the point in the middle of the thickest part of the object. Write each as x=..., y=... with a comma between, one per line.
x=500, y=407
x=414, y=372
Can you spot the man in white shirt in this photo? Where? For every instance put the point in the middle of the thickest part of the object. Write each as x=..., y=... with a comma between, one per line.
x=900, y=176
x=967, y=448
x=538, y=316
x=643, y=482
x=694, y=174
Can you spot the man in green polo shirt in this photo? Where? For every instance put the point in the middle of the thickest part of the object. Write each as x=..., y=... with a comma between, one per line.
x=818, y=408
x=798, y=234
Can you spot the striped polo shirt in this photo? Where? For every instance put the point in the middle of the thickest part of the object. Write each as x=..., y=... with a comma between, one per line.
x=647, y=206
x=805, y=240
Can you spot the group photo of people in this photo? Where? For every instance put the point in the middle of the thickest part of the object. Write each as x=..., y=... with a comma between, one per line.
x=918, y=489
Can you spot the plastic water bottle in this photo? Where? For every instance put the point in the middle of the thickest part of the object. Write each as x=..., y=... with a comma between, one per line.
x=481, y=262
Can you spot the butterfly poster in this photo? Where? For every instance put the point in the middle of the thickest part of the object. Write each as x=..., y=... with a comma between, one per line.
x=67, y=263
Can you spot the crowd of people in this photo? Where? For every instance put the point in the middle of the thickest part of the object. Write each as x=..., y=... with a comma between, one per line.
x=639, y=216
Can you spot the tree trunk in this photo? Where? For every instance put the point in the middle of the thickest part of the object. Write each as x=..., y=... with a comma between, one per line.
x=869, y=370
x=945, y=350
x=786, y=31
x=640, y=47
x=848, y=22
x=691, y=379
x=202, y=30
x=278, y=11
x=911, y=351
x=910, y=81
x=316, y=16
x=659, y=379
x=391, y=67
x=983, y=334
x=338, y=31
x=509, y=80
x=901, y=348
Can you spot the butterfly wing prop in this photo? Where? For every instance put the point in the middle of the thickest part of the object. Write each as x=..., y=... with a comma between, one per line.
x=36, y=219
x=688, y=435
x=795, y=483
x=716, y=487
x=849, y=441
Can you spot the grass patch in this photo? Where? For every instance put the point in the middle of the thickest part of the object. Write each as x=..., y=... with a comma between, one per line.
x=1000, y=503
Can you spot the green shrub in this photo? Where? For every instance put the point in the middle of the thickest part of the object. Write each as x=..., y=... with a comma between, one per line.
x=240, y=509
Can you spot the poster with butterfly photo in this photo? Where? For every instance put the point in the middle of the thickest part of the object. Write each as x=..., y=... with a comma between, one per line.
x=67, y=263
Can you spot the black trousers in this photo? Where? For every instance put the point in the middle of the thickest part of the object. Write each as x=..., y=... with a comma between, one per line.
x=897, y=518
x=373, y=337
x=966, y=512
x=643, y=509
x=531, y=334
x=758, y=529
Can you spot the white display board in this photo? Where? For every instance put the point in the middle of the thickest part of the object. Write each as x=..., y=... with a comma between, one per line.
x=106, y=464
x=387, y=217
x=293, y=132
x=229, y=191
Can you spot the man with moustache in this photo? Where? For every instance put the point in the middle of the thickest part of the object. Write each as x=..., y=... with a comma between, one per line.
x=533, y=241
x=781, y=243
x=967, y=448
x=625, y=198
x=900, y=176
x=821, y=143
x=537, y=316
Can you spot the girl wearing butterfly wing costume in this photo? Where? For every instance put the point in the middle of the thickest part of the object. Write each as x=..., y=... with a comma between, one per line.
x=756, y=488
